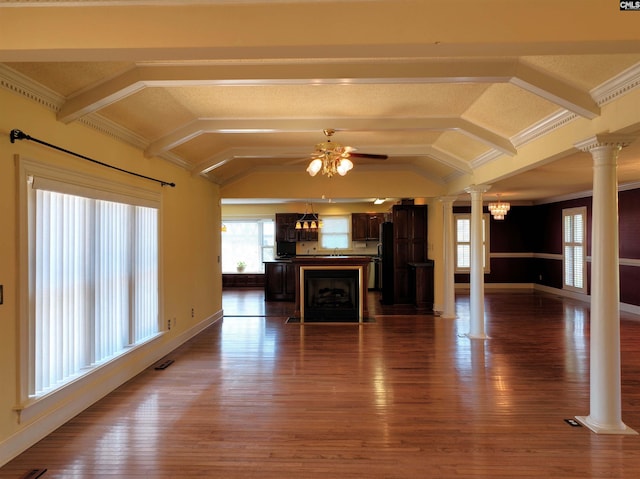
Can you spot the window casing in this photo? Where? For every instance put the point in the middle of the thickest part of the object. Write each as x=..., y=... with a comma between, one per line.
x=251, y=241
x=90, y=263
x=335, y=233
x=574, y=249
x=462, y=225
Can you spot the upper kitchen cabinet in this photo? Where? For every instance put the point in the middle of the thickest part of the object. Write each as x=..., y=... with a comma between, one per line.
x=286, y=229
x=286, y=226
x=308, y=235
x=366, y=226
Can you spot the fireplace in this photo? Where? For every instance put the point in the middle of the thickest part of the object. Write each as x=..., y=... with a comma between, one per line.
x=331, y=288
x=331, y=295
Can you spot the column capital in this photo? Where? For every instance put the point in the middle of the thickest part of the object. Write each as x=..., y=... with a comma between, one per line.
x=603, y=140
x=447, y=199
x=477, y=188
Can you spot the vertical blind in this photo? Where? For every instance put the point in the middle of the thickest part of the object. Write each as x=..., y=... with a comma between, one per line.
x=94, y=283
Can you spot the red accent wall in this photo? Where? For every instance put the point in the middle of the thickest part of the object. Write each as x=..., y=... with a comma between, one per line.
x=538, y=229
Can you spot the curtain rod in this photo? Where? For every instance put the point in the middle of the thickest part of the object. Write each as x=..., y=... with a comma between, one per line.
x=20, y=135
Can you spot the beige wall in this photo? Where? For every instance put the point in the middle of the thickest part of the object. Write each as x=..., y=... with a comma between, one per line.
x=190, y=247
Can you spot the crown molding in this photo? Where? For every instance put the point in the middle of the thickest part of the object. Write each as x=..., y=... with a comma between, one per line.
x=585, y=194
x=607, y=92
x=24, y=86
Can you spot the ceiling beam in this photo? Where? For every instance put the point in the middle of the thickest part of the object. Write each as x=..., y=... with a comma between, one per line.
x=239, y=153
x=297, y=125
x=323, y=72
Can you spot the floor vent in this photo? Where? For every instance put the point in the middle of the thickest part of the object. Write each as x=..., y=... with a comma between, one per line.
x=164, y=364
x=573, y=423
x=34, y=473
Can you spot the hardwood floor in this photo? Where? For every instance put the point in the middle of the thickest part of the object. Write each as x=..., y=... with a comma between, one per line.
x=405, y=397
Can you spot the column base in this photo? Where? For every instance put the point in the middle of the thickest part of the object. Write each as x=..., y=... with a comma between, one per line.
x=476, y=336
x=599, y=429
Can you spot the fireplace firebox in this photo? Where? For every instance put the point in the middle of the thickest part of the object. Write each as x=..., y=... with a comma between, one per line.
x=331, y=295
x=331, y=288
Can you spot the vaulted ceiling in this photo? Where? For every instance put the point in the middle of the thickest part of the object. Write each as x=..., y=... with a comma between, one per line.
x=455, y=93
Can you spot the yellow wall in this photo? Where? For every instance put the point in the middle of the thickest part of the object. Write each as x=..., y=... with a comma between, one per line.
x=190, y=247
x=190, y=240
x=358, y=183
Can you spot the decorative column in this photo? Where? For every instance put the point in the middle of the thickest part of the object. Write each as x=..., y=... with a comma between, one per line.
x=476, y=298
x=605, y=416
x=449, y=283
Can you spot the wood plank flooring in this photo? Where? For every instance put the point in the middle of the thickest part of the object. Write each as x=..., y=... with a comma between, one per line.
x=408, y=396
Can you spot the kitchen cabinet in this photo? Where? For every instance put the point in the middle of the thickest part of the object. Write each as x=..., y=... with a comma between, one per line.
x=366, y=226
x=421, y=285
x=279, y=281
x=307, y=235
x=409, y=246
x=286, y=226
x=286, y=229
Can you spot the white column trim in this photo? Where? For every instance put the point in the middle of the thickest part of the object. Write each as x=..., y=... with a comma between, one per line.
x=449, y=287
x=476, y=273
x=605, y=415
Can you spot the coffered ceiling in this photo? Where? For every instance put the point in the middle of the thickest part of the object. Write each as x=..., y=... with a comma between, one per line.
x=454, y=93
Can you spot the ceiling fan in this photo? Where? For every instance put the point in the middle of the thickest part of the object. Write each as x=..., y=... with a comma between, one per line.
x=332, y=158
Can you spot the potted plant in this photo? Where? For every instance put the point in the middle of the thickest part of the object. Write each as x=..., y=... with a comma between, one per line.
x=240, y=266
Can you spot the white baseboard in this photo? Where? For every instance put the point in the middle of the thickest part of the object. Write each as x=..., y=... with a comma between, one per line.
x=490, y=286
x=95, y=387
x=627, y=308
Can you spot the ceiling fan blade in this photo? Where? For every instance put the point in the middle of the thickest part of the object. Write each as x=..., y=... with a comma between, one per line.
x=368, y=155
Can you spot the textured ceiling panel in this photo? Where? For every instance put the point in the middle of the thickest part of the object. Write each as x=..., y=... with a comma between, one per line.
x=228, y=92
x=507, y=109
x=151, y=112
x=583, y=71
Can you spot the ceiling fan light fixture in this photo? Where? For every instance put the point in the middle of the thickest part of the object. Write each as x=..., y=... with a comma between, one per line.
x=314, y=167
x=333, y=158
x=344, y=166
x=379, y=201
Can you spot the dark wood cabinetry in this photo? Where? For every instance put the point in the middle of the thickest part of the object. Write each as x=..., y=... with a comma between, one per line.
x=307, y=235
x=366, y=226
x=421, y=285
x=286, y=226
x=409, y=246
x=286, y=229
x=251, y=280
x=279, y=281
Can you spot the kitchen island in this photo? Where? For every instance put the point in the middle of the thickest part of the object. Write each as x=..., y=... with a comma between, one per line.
x=331, y=288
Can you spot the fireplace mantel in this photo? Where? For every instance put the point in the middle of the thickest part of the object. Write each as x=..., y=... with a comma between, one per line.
x=328, y=264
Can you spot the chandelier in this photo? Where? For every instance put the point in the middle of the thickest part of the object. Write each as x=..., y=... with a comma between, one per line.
x=309, y=221
x=330, y=158
x=499, y=209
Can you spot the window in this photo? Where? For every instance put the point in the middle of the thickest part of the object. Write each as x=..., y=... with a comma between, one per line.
x=335, y=232
x=92, y=260
x=574, y=238
x=248, y=241
x=463, y=242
